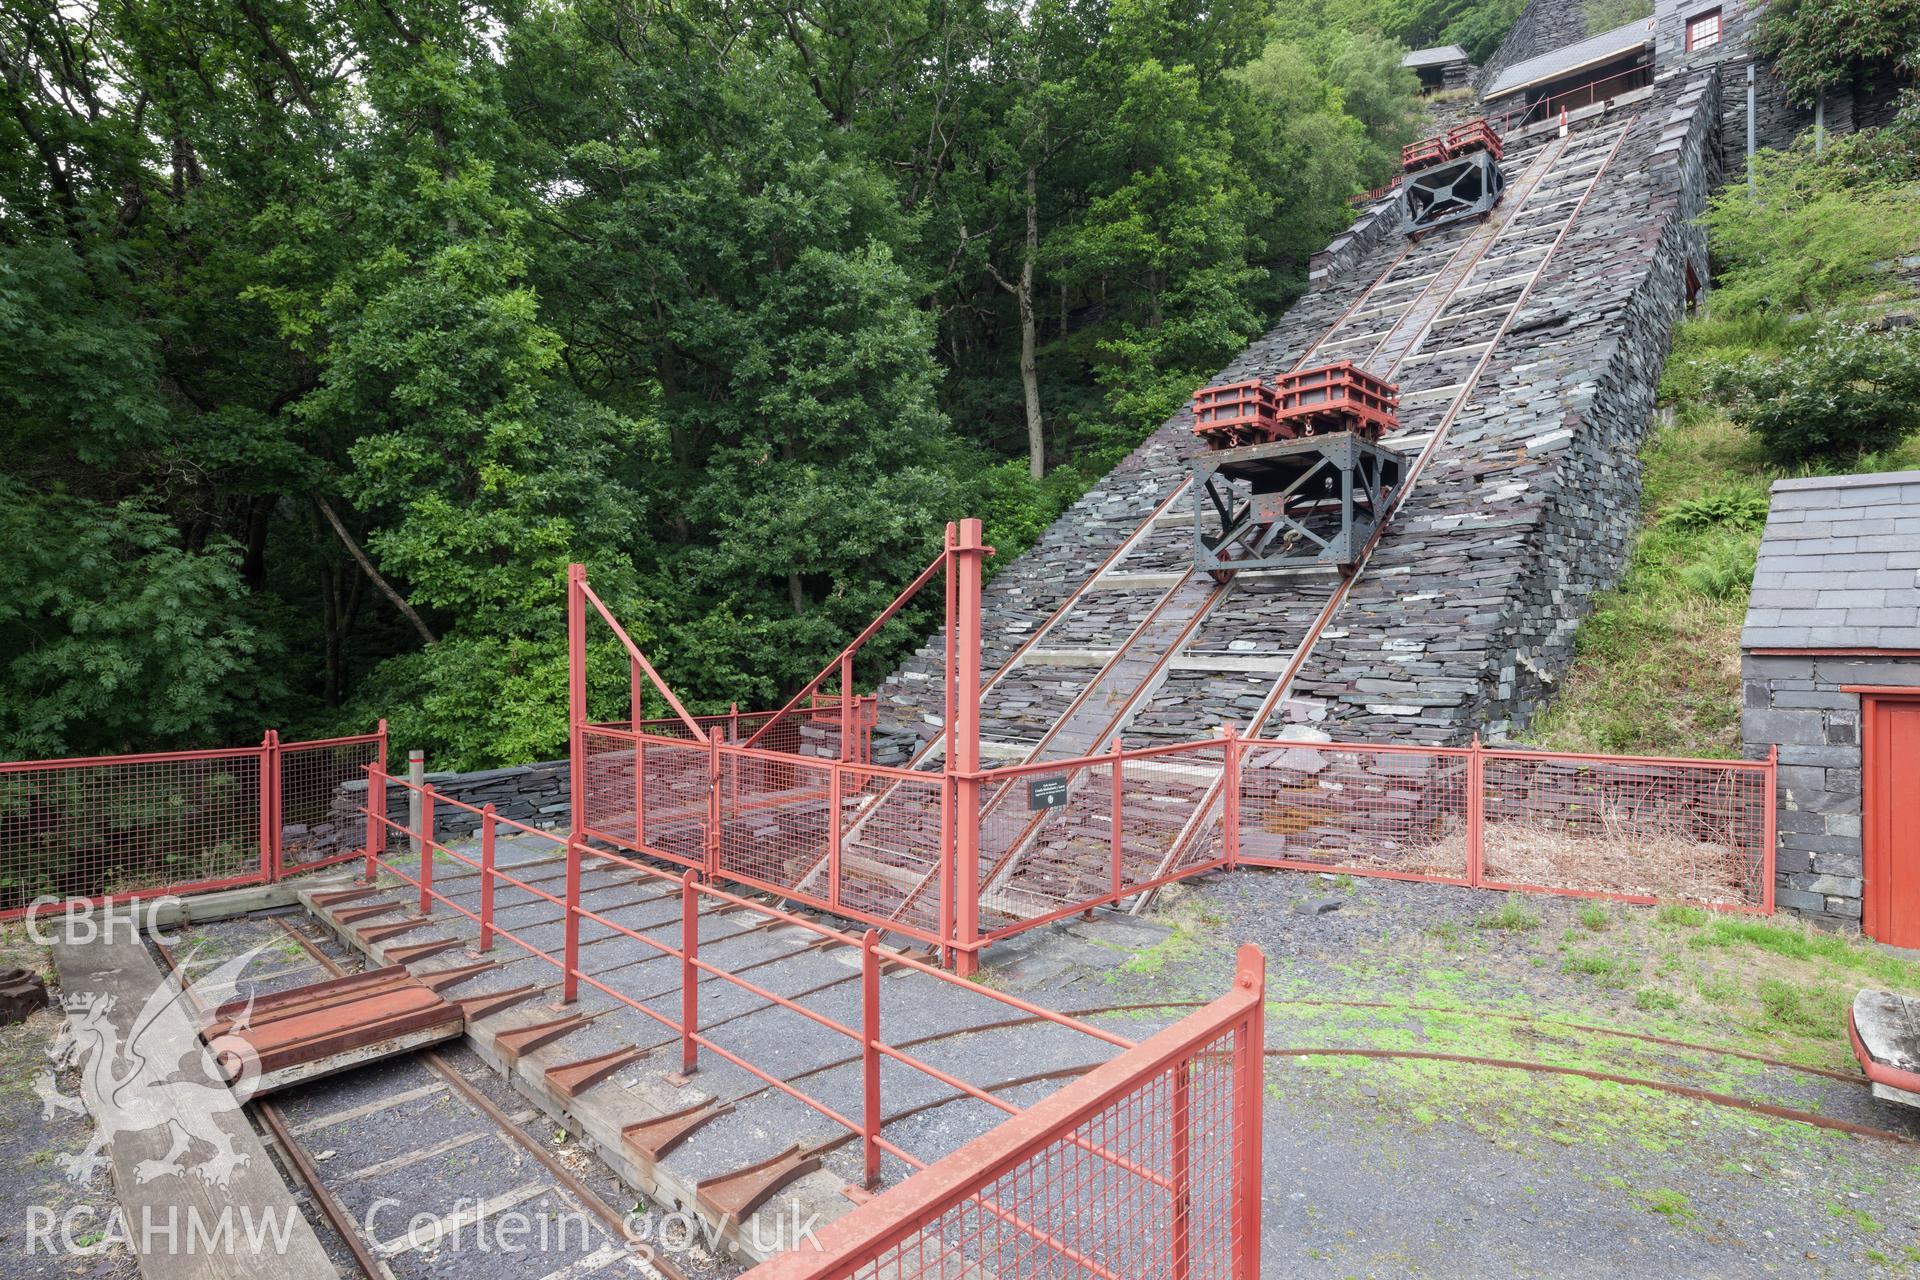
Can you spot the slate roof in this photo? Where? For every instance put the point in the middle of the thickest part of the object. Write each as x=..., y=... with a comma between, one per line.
x=1839, y=565
x=1439, y=56
x=1568, y=59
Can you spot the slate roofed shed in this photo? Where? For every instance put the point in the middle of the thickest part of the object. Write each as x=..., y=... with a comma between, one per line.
x=1830, y=677
x=1839, y=565
x=1438, y=56
x=1589, y=55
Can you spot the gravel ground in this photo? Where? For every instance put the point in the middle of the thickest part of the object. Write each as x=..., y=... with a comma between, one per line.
x=1412, y=1167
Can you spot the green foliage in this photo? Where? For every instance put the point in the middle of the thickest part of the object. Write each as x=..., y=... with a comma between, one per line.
x=116, y=635
x=307, y=311
x=1847, y=391
x=1724, y=570
x=1479, y=29
x=1512, y=917
x=1821, y=45
x=1808, y=234
x=1735, y=506
x=1605, y=15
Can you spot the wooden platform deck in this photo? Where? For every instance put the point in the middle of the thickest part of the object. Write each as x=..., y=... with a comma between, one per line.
x=183, y=1155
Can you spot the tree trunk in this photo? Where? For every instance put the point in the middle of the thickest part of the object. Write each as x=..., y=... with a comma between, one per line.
x=373, y=574
x=1029, y=375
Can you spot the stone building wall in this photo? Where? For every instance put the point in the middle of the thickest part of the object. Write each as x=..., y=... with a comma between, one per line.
x=1796, y=702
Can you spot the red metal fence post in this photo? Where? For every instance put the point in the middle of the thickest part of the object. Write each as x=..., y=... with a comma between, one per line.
x=576, y=698
x=949, y=806
x=689, y=972
x=964, y=624
x=836, y=787
x=713, y=806
x=870, y=1118
x=486, y=879
x=269, y=790
x=426, y=851
x=376, y=814
x=1113, y=835
x=1251, y=976
x=570, y=972
x=1230, y=797
x=1180, y=1142
x=634, y=712
x=847, y=707
x=381, y=830
x=1476, y=812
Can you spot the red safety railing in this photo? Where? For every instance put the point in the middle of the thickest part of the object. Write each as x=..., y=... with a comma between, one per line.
x=1635, y=829
x=137, y=826
x=964, y=856
x=678, y=1010
x=1147, y=1168
x=813, y=729
x=1522, y=115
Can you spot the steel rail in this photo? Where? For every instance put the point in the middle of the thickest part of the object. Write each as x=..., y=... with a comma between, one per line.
x=1006, y=865
x=1284, y=684
x=299, y=1163
x=587, y=1196
x=465, y=1089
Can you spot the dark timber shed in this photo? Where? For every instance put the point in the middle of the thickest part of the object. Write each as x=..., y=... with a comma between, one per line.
x=1830, y=668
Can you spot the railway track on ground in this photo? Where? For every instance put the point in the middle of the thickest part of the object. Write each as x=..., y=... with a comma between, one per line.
x=400, y=1255
x=1715, y=1098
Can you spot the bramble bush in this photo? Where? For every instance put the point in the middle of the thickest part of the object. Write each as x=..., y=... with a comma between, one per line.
x=1847, y=391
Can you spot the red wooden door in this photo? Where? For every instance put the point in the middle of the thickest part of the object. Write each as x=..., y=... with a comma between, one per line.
x=1890, y=817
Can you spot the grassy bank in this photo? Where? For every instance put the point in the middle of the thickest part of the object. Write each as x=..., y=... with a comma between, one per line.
x=1657, y=666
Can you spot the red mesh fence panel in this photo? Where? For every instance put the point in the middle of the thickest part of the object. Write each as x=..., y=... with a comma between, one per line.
x=319, y=819
x=774, y=818
x=1036, y=860
x=1634, y=828
x=674, y=781
x=1363, y=809
x=130, y=824
x=890, y=849
x=1146, y=1170
x=611, y=795
x=1040, y=860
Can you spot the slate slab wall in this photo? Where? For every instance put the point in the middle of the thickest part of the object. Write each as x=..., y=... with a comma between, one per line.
x=1797, y=703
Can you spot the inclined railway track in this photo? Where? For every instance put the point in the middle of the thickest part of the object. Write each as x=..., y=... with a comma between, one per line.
x=1433, y=289
x=1415, y=312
